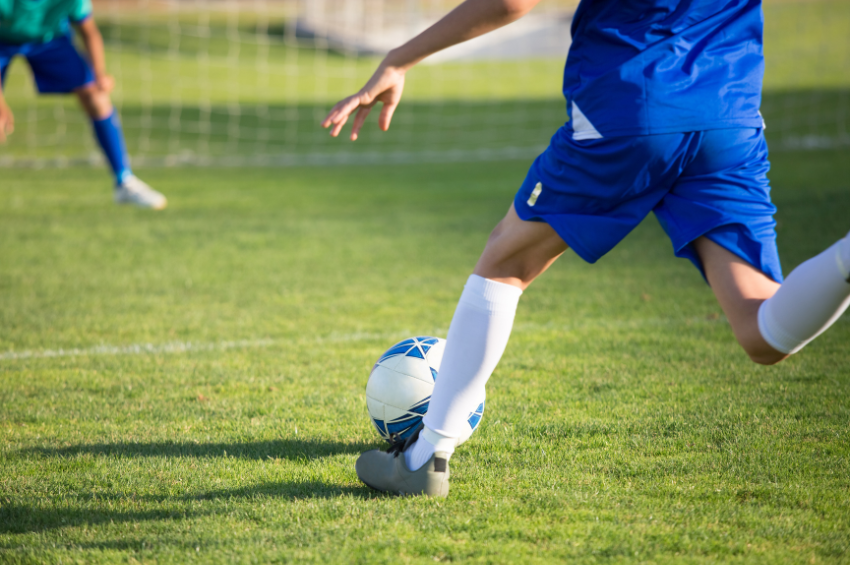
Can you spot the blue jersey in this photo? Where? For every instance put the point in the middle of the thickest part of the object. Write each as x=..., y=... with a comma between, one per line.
x=641, y=67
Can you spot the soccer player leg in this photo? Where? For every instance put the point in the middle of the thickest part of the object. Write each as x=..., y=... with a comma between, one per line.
x=810, y=300
x=740, y=289
x=129, y=189
x=515, y=254
x=772, y=321
x=107, y=128
x=720, y=216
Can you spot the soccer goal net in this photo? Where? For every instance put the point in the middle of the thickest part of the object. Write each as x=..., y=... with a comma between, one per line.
x=247, y=82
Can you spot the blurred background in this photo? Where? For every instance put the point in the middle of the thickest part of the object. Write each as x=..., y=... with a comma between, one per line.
x=242, y=82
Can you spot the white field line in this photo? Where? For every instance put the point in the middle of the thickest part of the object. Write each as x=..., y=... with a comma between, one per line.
x=184, y=346
x=135, y=349
x=176, y=347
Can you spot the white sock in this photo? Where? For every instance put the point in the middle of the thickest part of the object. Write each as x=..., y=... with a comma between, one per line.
x=429, y=442
x=810, y=300
x=477, y=338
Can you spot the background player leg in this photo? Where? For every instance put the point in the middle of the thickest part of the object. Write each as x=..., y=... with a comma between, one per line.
x=107, y=129
x=516, y=253
x=772, y=321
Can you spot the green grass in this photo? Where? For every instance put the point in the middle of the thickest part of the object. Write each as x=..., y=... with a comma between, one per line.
x=189, y=385
x=624, y=424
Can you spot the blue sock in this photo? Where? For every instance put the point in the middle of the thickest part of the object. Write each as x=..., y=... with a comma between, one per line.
x=111, y=140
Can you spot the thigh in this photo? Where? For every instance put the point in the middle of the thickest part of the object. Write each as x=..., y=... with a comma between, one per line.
x=58, y=67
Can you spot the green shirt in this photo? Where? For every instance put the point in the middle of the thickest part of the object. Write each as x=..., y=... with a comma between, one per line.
x=38, y=21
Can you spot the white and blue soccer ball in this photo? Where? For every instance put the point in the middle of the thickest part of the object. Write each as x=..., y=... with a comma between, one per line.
x=400, y=386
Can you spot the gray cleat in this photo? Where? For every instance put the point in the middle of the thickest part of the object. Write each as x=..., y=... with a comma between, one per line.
x=387, y=471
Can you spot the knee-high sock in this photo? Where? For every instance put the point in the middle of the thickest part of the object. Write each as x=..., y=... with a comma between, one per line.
x=477, y=338
x=810, y=300
x=111, y=139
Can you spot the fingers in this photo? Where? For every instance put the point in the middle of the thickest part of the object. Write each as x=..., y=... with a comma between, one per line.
x=359, y=120
x=333, y=114
x=385, y=86
x=338, y=126
x=386, y=115
x=339, y=114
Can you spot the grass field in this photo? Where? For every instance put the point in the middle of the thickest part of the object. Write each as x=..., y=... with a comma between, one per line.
x=189, y=385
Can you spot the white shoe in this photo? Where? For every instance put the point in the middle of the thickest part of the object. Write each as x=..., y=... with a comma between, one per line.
x=134, y=190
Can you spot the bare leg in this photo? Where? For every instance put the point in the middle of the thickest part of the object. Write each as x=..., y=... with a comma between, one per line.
x=740, y=289
x=517, y=252
x=107, y=131
x=95, y=102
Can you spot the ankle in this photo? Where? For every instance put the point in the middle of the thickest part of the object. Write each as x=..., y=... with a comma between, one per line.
x=440, y=442
x=428, y=444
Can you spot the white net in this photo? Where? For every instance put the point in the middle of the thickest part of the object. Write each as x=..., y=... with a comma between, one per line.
x=238, y=82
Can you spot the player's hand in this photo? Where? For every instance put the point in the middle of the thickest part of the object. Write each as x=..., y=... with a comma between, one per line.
x=105, y=83
x=385, y=86
x=7, y=122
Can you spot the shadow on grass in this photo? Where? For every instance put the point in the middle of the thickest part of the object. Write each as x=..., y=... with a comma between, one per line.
x=87, y=508
x=23, y=518
x=93, y=509
x=290, y=449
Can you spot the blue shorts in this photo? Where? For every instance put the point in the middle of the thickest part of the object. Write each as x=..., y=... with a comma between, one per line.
x=712, y=183
x=56, y=64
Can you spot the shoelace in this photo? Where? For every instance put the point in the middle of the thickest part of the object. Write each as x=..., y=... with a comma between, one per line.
x=400, y=447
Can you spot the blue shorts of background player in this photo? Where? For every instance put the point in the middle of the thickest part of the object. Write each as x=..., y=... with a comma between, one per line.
x=711, y=183
x=57, y=66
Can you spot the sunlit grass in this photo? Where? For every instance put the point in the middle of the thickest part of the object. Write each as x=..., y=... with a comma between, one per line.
x=214, y=407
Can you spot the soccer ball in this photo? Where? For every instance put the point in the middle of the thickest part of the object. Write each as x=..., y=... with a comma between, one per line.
x=400, y=386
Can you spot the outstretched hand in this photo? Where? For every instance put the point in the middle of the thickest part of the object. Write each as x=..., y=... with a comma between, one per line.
x=385, y=86
x=470, y=19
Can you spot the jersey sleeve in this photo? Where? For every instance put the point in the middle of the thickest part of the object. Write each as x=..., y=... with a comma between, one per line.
x=81, y=10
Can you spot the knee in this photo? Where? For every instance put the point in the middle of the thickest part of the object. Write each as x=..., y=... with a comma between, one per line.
x=744, y=319
x=499, y=262
x=94, y=101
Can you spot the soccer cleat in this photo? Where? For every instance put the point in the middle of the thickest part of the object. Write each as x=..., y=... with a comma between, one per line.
x=134, y=190
x=387, y=471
